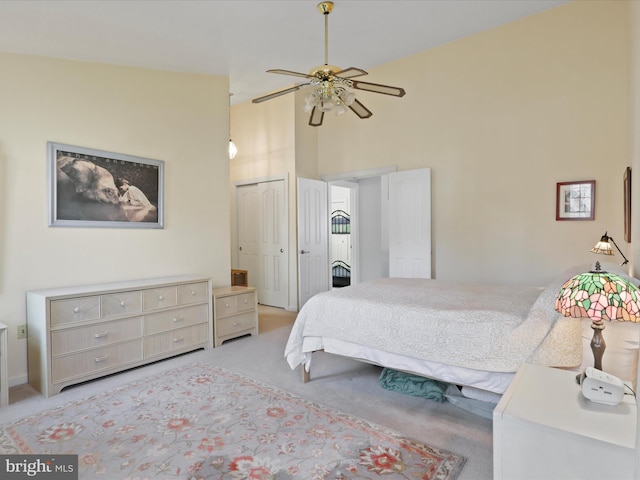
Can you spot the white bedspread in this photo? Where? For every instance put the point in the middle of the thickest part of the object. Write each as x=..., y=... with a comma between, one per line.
x=483, y=327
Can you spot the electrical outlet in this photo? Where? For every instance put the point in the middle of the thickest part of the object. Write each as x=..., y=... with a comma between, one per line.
x=22, y=331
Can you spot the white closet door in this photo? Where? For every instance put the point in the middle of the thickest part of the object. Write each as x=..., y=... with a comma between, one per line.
x=248, y=232
x=272, y=284
x=410, y=224
x=262, y=239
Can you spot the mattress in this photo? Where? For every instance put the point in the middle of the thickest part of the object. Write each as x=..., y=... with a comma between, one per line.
x=466, y=334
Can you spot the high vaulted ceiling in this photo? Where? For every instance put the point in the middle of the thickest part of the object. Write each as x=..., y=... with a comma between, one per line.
x=241, y=39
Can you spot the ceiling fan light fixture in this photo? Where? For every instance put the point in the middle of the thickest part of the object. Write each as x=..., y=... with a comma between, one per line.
x=329, y=86
x=233, y=150
x=347, y=97
x=340, y=109
x=326, y=105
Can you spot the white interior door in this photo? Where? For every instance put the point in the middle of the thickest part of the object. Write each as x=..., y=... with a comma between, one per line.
x=273, y=269
x=410, y=223
x=313, y=239
x=248, y=231
x=261, y=226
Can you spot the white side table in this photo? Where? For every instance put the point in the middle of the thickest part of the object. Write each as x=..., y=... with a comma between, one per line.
x=235, y=313
x=4, y=368
x=544, y=428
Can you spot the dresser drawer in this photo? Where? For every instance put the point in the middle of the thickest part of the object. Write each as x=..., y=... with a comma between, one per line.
x=95, y=335
x=235, y=324
x=121, y=303
x=233, y=304
x=67, y=367
x=176, y=339
x=72, y=310
x=178, y=318
x=156, y=298
x=193, y=293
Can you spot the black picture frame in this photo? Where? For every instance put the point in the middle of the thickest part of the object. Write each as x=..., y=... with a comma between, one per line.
x=96, y=188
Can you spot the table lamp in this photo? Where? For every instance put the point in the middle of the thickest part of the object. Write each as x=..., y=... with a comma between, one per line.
x=599, y=295
x=603, y=247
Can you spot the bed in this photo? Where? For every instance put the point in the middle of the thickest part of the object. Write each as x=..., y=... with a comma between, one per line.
x=472, y=335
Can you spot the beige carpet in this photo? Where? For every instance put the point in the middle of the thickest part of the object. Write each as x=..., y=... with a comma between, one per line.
x=340, y=383
x=200, y=422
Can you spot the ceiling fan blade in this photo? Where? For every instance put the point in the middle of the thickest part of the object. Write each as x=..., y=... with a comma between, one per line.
x=360, y=110
x=351, y=72
x=289, y=72
x=277, y=94
x=377, y=88
x=315, y=120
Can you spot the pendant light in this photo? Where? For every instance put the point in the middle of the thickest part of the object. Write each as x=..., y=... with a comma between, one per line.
x=233, y=150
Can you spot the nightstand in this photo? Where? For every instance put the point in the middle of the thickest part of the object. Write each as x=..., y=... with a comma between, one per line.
x=544, y=428
x=235, y=313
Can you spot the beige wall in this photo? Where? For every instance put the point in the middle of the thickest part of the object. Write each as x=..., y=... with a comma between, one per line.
x=501, y=117
x=265, y=135
x=179, y=118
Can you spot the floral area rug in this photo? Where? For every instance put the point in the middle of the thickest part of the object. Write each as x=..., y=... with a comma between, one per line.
x=201, y=422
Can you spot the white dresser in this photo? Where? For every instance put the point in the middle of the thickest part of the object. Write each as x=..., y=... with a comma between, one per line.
x=80, y=333
x=235, y=312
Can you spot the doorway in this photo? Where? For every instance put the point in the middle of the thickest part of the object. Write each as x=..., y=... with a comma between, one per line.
x=390, y=229
x=343, y=218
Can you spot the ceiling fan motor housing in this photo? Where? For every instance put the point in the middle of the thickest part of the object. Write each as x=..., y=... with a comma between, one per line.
x=325, y=7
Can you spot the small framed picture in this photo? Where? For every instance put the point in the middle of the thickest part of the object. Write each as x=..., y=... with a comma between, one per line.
x=94, y=188
x=576, y=200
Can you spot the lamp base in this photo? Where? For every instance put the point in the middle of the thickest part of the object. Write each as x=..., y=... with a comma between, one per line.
x=598, y=344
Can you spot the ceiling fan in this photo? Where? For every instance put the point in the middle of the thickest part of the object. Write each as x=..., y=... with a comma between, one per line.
x=329, y=85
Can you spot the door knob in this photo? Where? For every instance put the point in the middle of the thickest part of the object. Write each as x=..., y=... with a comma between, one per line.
x=281, y=250
x=304, y=251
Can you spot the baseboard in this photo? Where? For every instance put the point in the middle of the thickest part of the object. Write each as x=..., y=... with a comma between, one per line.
x=21, y=380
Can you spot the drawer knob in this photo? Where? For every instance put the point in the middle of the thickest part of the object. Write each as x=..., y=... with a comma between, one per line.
x=76, y=309
x=178, y=339
x=226, y=305
x=122, y=303
x=160, y=297
x=178, y=319
x=193, y=292
x=101, y=359
x=236, y=324
x=246, y=301
x=100, y=335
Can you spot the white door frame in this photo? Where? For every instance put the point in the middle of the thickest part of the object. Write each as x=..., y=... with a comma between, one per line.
x=354, y=176
x=353, y=187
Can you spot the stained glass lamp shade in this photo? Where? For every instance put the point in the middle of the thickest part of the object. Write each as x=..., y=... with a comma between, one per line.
x=599, y=296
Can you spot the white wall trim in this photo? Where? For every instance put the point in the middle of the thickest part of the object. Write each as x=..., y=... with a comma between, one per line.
x=374, y=172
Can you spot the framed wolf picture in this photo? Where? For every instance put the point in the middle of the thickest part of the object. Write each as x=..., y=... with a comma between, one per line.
x=94, y=188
